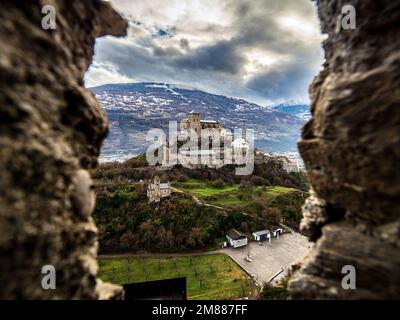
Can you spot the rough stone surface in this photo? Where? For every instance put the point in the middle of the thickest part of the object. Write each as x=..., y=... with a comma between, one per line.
x=351, y=149
x=51, y=130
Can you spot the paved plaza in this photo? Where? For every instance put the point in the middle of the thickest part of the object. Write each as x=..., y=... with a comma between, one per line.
x=269, y=259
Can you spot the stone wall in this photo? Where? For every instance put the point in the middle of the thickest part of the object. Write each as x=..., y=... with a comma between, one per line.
x=51, y=130
x=351, y=150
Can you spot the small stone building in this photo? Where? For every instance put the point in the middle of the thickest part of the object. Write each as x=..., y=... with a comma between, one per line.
x=156, y=190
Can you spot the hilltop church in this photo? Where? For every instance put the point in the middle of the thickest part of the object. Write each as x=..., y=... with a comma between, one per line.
x=213, y=158
x=194, y=122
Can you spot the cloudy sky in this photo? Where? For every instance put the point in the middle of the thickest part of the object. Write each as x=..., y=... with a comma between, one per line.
x=265, y=51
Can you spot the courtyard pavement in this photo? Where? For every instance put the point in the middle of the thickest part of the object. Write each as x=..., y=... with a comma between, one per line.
x=268, y=260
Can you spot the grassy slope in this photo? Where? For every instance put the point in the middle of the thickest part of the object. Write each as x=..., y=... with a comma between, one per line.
x=203, y=189
x=287, y=200
x=267, y=194
x=128, y=223
x=229, y=195
x=220, y=277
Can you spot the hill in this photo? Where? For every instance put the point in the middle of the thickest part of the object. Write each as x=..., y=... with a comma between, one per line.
x=127, y=222
x=134, y=108
x=299, y=110
x=268, y=171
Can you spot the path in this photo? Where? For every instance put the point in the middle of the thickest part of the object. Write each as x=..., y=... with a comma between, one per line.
x=157, y=255
x=202, y=203
x=288, y=228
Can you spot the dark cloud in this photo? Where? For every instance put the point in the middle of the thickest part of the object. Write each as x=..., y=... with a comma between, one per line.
x=260, y=52
x=166, y=52
x=223, y=56
x=282, y=80
x=184, y=44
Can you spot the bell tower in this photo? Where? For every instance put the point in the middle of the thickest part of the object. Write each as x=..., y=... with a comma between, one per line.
x=194, y=121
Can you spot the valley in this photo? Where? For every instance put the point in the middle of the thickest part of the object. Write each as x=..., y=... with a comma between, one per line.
x=183, y=233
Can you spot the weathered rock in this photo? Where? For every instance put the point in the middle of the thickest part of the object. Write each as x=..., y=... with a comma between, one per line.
x=83, y=197
x=351, y=150
x=51, y=130
x=315, y=216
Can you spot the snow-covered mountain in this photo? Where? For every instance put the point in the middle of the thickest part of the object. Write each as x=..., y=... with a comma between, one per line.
x=299, y=110
x=135, y=108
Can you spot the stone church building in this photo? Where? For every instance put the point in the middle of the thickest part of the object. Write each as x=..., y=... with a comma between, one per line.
x=157, y=191
x=194, y=122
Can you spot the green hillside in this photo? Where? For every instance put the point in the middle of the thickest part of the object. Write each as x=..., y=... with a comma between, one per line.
x=269, y=202
x=127, y=222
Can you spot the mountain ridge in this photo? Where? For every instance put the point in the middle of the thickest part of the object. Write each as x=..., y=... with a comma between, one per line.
x=134, y=108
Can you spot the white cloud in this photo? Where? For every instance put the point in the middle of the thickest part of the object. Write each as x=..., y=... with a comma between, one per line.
x=259, y=50
x=101, y=73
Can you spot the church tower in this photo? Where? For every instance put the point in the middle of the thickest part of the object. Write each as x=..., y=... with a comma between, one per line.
x=194, y=121
x=157, y=184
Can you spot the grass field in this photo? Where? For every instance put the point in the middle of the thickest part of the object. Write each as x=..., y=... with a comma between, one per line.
x=232, y=195
x=255, y=200
x=268, y=195
x=204, y=189
x=214, y=276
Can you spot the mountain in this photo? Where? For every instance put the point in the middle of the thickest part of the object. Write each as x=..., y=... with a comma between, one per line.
x=135, y=108
x=299, y=110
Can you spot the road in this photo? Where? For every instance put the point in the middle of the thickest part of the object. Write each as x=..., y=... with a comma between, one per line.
x=157, y=255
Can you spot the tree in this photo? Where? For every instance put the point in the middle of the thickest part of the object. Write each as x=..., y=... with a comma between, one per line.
x=170, y=239
x=273, y=215
x=259, y=204
x=161, y=236
x=194, y=237
x=127, y=240
x=244, y=226
x=219, y=183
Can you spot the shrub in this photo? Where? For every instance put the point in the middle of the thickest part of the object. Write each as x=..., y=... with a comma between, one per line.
x=219, y=183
